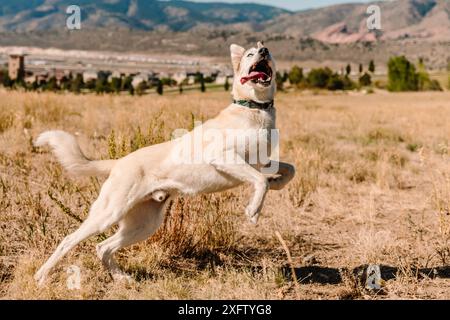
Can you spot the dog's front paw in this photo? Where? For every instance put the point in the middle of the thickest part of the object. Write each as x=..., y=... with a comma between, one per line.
x=40, y=278
x=252, y=214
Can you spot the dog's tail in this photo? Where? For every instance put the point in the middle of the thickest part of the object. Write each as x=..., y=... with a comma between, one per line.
x=69, y=154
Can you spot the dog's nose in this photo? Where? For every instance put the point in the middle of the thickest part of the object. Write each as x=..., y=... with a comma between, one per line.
x=264, y=52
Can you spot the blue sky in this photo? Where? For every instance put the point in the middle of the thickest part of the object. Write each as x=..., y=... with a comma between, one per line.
x=291, y=4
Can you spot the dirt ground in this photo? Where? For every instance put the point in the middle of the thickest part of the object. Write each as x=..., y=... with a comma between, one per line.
x=372, y=187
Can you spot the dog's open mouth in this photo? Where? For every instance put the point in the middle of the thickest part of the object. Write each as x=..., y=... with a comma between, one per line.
x=260, y=73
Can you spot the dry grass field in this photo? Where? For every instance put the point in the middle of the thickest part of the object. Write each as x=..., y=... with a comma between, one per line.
x=372, y=186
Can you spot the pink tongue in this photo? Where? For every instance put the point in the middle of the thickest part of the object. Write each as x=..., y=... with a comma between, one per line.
x=254, y=75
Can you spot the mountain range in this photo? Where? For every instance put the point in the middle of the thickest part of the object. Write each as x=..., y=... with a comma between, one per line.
x=345, y=23
x=32, y=15
x=419, y=29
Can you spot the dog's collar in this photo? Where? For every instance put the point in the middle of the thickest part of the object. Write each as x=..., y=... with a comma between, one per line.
x=254, y=105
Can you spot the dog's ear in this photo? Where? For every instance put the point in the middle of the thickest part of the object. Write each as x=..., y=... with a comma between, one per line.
x=237, y=52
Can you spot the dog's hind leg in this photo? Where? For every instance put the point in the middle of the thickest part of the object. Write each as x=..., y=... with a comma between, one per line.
x=138, y=225
x=106, y=211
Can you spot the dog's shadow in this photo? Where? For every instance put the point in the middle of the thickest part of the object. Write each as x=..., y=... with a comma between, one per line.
x=334, y=276
x=314, y=274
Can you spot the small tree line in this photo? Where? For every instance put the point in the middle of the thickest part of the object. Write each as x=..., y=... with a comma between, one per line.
x=106, y=84
x=405, y=76
x=325, y=78
x=402, y=76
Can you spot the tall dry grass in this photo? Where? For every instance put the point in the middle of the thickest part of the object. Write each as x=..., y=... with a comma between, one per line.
x=372, y=186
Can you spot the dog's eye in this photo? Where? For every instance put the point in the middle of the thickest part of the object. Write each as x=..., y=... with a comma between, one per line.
x=250, y=55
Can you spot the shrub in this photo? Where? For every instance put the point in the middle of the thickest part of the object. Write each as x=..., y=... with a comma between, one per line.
x=295, y=76
x=7, y=82
x=425, y=83
x=335, y=82
x=365, y=80
x=168, y=82
x=77, y=84
x=402, y=75
x=116, y=84
x=51, y=85
x=127, y=83
x=371, y=66
x=102, y=85
x=319, y=78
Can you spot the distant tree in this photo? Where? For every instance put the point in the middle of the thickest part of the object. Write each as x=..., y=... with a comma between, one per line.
x=102, y=85
x=285, y=76
x=168, y=82
x=7, y=82
x=361, y=68
x=227, y=84
x=127, y=83
x=365, y=80
x=160, y=88
x=65, y=83
x=116, y=84
x=280, y=82
x=402, y=75
x=90, y=84
x=202, y=85
x=51, y=85
x=34, y=86
x=371, y=66
x=348, y=69
x=295, y=76
x=198, y=77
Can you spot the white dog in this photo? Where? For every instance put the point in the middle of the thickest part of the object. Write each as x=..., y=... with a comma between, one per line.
x=140, y=185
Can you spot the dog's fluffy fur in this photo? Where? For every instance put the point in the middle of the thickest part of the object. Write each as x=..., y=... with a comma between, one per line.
x=140, y=185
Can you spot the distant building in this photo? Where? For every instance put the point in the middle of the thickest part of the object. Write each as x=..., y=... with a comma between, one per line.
x=60, y=75
x=179, y=77
x=38, y=77
x=140, y=78
x=90, y=75
x=16, y=66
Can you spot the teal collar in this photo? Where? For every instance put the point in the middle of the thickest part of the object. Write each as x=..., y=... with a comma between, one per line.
x=254, y=105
